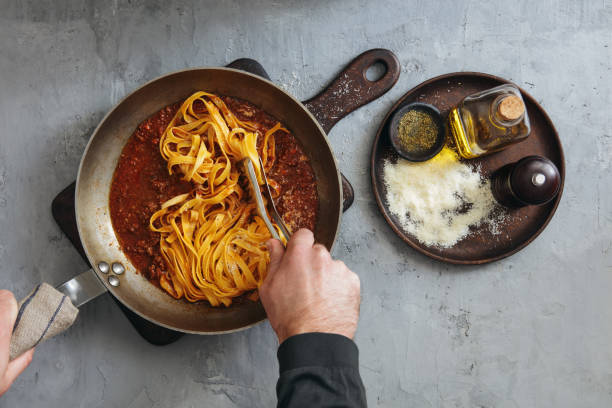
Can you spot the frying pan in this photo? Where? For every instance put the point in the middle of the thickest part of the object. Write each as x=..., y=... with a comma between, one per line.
x=308, y=121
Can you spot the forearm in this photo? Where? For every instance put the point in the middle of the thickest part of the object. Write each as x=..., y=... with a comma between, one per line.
x=319, y=370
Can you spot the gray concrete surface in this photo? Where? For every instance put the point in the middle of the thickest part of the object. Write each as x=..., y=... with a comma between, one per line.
x=534, y=330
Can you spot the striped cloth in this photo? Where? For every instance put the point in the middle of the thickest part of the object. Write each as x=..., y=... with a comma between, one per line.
x=42, y=314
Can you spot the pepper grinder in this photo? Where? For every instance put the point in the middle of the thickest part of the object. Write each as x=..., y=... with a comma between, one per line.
x=533, y=180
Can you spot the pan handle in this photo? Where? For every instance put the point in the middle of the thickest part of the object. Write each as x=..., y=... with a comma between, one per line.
x=83, y=288
x=350, y=90
x=47, y=312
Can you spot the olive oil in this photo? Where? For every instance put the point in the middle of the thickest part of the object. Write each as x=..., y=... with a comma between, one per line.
x=489, y=121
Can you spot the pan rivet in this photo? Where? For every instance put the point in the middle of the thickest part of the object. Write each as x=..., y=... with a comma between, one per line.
x=103, y=267
x=118, y=268
x=113, y=280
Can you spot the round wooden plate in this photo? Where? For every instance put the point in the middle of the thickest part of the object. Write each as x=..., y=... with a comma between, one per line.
x=522, y=225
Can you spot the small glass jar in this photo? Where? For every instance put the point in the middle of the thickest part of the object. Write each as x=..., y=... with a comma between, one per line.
x=489, y=121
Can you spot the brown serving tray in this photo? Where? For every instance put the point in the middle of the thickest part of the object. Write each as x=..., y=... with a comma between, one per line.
x=522, y=225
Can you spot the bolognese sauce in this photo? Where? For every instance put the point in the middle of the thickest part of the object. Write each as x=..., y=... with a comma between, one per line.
x=141, y=183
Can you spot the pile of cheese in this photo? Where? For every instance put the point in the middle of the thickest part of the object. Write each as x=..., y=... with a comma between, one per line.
x=437, y=201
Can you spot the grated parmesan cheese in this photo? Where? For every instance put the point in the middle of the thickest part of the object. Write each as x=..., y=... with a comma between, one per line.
x=438, y=201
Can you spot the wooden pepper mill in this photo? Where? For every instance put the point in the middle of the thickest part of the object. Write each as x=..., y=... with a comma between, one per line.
x=533, y=180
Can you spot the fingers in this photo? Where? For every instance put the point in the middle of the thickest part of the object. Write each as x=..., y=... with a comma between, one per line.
x=8, y=314
x=276, y=255
x=15, y=368
x=302, y=238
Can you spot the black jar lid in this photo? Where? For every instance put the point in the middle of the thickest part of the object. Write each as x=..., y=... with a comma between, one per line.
x=535, y=180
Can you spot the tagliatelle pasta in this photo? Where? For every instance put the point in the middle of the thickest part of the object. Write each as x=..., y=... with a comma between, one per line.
x=212, y=238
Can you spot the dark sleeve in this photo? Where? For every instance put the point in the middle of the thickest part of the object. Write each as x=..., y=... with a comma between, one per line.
x=319, y=370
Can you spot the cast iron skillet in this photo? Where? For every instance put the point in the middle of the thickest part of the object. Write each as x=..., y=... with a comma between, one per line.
x=309, y=123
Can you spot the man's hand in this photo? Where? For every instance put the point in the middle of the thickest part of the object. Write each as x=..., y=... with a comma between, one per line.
x=307, y=291
x=9, y=371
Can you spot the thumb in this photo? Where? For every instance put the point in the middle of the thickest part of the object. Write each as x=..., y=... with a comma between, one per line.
x=276, y=255
x=15, y=368
x=8, y=314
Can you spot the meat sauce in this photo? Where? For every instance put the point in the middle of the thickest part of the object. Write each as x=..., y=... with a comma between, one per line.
x=141, y=183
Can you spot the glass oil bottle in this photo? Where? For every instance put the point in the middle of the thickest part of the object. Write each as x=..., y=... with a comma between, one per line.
x=489, y=121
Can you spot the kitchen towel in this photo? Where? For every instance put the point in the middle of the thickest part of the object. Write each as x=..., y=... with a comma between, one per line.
x=42, y=314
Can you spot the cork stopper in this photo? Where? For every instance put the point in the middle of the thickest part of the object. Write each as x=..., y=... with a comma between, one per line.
x=511, y=108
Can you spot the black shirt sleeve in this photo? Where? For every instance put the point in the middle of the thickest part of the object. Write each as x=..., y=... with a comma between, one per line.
x=319, y=370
